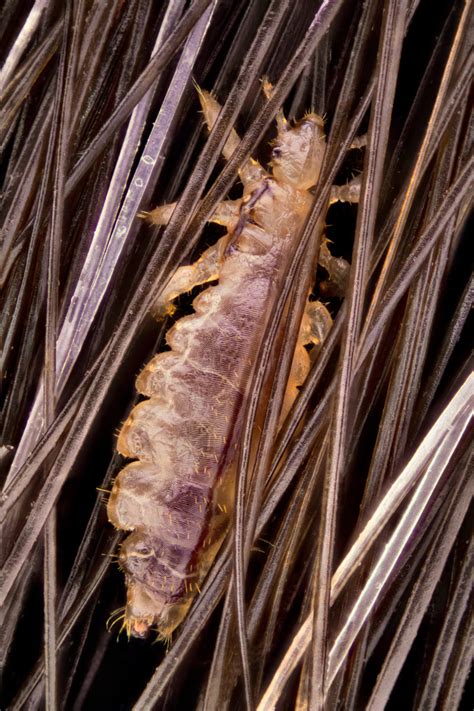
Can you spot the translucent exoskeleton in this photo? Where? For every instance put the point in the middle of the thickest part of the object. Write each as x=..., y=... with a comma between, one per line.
x=177, y=498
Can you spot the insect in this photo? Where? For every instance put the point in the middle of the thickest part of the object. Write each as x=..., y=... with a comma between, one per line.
x=177, y=496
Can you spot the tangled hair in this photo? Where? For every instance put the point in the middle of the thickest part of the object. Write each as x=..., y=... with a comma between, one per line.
x=342, y=583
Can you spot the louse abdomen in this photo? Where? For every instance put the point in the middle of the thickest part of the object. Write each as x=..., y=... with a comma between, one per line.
x=178, y=505
x=177, y=498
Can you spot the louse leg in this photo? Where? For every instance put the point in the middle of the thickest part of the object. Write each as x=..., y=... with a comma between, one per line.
x=350, y=192
x=317, y=320
x=338, y=268
x=205, y=269
x=251, y=173
x=315, y=325
x=359, y=142
x=227, y=214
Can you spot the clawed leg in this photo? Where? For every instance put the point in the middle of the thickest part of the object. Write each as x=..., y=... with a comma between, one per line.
x=315, y=325
x=205, y=269
x=227, y=214
x=350, y=192
x=338, y=270
x=359, y=142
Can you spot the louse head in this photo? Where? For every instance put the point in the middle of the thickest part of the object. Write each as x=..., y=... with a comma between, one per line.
x=298, y=152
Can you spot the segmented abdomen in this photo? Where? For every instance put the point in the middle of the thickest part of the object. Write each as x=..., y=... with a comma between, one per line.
x=178, y=496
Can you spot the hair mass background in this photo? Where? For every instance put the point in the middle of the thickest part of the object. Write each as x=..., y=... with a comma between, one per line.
x=73, y=73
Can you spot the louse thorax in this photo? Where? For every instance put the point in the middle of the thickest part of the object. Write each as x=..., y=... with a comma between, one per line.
x=279, y=213
x=298, y=152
